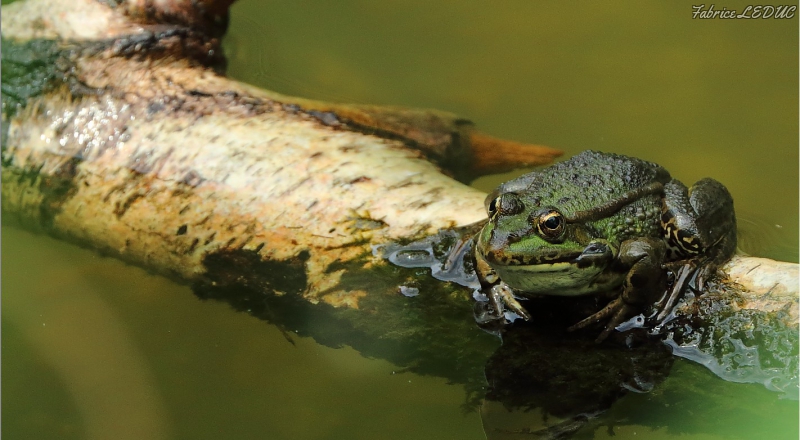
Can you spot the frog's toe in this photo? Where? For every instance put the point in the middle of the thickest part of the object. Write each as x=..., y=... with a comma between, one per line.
x=683, y=277
x=503, y=297
x=615, y=312
x=615, y=320
x=609, y=310
x=704, y=274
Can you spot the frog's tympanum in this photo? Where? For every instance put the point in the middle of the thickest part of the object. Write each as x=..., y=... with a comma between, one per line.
x=600, y=223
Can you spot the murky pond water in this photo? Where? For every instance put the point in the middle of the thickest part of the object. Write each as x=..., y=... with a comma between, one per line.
x=93, y=348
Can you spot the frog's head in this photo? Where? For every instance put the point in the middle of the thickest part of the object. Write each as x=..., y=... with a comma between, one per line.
x=536, y=248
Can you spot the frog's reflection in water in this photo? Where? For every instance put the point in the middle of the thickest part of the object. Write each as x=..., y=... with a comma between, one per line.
x=545, y=382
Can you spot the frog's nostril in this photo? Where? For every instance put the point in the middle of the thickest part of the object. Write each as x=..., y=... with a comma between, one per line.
x=514, y=238
x=510, y=204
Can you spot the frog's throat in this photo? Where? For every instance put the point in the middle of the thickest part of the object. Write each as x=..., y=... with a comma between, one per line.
x=561, y=278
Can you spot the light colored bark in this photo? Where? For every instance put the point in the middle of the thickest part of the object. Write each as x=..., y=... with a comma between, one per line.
x=766, y=284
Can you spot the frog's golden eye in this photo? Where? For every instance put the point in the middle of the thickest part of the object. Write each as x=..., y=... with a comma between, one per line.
x=551, y=224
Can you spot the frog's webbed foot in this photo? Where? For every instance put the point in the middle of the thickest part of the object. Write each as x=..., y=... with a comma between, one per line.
x=682, y=278
x=645, y=279
x=691, y=275
x=503, y=298
x=492, y=314
x=615, y=312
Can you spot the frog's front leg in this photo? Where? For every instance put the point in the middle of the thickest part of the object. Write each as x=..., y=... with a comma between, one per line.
x=500, y=296
x=491, y=315
x=645, y=280
x=699, y=227
x=699, y=223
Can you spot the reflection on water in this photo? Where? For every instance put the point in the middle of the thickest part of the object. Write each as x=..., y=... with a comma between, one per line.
x=702, y=97
x=565, y=377
x=547, y=383
x=92, y=345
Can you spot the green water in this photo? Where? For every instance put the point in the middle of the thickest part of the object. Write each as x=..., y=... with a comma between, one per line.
x=702, y=97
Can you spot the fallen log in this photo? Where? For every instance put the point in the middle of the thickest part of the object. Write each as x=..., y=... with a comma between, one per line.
x=123, y=136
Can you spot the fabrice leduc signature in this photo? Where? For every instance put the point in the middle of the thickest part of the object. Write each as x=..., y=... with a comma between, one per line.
x=750, y=12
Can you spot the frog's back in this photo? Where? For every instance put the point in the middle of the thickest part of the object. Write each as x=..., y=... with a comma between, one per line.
x=586, y=180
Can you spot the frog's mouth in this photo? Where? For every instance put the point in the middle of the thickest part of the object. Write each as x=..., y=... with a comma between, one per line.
x=579, y=273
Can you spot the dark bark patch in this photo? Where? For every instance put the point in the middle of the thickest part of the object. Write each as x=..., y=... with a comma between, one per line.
x=247, y=269
x=327, y=118
x=155, y=107
x=291, y=108
x=420, y=204
x=193, y=179
x=193, y=246
x=56, y=189
x=365, y=223
x=349, y=149
x=120, y=208
x=177, y=41
x=360, y=179
x=195, y=92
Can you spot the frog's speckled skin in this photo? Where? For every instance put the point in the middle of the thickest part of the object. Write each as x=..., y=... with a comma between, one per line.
x=595, y=222
x=584, y=182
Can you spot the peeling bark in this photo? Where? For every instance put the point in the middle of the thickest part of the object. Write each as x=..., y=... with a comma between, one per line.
x=133, y=144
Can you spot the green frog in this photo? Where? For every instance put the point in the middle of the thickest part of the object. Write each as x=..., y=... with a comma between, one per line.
x=600, y=223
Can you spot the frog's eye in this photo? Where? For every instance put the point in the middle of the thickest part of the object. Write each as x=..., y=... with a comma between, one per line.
x=491, y=202
x=551, y=224
x=504, y=204
x=492, y=207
